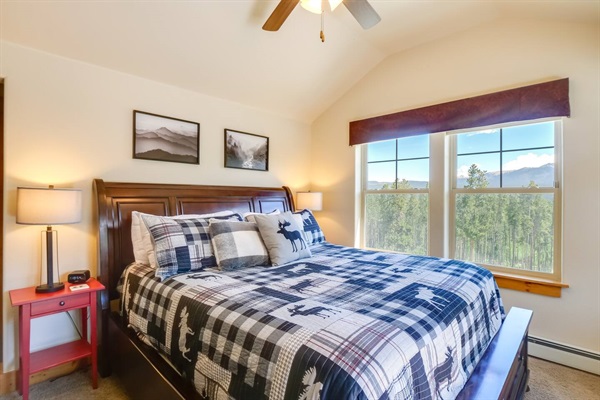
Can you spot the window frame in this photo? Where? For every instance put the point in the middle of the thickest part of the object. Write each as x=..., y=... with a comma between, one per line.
x=365, y=191
x=442, y=201
x=556, y=275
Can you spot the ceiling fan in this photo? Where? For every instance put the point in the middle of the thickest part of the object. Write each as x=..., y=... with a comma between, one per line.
x=364, y=13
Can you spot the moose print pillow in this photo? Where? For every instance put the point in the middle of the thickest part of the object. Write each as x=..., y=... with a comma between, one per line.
x=312, y=231
x=283, y=237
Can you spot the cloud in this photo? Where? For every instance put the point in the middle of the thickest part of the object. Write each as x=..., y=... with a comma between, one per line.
x=462, y=171
x=481, y=132
x=529, y=160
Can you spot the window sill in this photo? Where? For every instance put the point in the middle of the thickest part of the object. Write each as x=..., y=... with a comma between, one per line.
x=528, y=284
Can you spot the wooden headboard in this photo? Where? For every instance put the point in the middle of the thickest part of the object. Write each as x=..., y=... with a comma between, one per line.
x=116, y=200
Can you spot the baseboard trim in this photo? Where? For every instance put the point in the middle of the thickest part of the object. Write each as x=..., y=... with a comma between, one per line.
x=560, y=353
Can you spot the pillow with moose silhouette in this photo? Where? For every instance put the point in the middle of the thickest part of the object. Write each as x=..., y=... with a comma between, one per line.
x=310, y=227
x=283, y=237
x=237, y=244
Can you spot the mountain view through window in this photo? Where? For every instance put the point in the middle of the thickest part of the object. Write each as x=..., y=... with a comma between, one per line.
x=503, y=197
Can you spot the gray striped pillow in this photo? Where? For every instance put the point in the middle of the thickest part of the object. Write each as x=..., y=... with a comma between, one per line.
x=237, y=244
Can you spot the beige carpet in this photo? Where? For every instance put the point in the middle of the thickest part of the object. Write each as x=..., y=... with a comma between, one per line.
x=548, y=381
x=76, y=386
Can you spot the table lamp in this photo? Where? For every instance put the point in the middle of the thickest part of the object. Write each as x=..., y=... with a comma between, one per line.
x=310, y=200
x=48, y=206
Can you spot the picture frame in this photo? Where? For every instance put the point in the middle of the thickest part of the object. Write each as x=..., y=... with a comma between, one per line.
x=160, y=138
x=246, y=150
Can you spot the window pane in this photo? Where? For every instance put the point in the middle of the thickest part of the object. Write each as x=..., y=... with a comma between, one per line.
x=381, y=151
x=477, y=142
x=508, y=230
x=528, y=136
x=478, y=171
x=413, y=147
x=397, y=222
x=522, y=168
x=413, y=174
x=381, y=175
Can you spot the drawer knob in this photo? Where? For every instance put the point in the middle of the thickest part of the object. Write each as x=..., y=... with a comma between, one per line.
x=62, y=303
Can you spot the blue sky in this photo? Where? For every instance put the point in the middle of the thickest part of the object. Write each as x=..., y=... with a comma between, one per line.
x=517, y=137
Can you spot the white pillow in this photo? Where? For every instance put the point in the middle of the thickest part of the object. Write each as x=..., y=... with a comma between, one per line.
x=143, y=248
x=249, y=216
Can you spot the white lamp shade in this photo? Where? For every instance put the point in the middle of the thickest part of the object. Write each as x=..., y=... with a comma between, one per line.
x=309, y=200
x=48, y=206
x=316, y=6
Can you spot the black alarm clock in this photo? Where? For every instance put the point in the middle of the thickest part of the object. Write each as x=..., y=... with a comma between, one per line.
x=80, y=276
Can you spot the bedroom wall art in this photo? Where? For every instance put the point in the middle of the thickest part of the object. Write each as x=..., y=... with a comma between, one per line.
x=160, y=138
x=246, y=151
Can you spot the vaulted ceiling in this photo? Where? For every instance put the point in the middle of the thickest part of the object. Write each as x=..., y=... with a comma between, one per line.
x=217, y=47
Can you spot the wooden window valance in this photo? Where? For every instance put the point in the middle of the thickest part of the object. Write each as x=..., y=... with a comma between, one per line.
x=549, y=99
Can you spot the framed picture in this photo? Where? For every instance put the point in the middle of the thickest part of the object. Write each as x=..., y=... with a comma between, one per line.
x=246, y=151
x=160, y=138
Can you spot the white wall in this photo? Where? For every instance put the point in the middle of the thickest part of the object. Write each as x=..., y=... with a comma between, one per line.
x=68, y=122
x=498, y=56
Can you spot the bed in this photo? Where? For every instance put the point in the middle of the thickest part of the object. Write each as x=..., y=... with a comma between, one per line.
x=494, y=368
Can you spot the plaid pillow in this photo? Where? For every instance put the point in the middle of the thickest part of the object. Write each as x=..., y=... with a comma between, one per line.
x=143, y=248
x=181, y=245
x=237, y=244
x=312, y=231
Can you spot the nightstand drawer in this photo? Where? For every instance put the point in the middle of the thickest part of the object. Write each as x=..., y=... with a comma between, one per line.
x=63, y=303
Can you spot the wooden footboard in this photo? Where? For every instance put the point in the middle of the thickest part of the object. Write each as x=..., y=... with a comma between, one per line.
x=503, y=372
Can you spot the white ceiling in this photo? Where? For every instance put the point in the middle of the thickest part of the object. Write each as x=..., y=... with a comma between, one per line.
x=217, y=47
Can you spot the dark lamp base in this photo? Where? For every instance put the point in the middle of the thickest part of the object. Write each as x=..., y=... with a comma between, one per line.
x=53, y=287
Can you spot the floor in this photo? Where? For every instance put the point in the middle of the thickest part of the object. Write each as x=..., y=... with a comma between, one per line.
x=548, y=381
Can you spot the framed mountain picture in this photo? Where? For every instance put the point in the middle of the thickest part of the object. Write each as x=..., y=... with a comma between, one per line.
x=160, y=138
x=246, y=151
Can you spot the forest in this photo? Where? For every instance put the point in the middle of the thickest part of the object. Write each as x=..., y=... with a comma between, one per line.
x=513, y=230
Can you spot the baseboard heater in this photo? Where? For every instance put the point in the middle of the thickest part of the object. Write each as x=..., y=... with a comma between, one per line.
x=564, y=354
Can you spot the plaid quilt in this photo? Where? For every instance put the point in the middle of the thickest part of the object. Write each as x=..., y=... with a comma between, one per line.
x=344, y=324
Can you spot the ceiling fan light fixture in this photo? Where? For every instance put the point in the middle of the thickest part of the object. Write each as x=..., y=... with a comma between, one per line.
x=334, y=3
x=316, y=6
x=361, y=10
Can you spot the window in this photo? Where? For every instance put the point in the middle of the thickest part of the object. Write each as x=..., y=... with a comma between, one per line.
x=396, y=187
x=506, y=198
x=500, y=199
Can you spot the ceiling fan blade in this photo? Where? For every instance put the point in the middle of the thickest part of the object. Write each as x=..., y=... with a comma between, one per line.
x=364, y=13
x=280, y=14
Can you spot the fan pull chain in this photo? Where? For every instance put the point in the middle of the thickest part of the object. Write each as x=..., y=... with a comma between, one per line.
x=322, y=35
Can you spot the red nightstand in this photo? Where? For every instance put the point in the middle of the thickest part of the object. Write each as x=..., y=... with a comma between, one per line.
x=34, y=305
